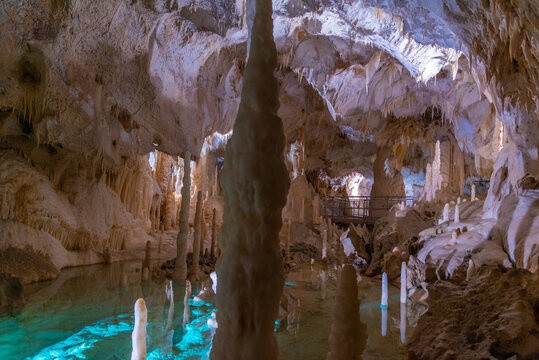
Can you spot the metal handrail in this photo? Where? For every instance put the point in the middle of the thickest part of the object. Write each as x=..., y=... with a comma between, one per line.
x=364, y=208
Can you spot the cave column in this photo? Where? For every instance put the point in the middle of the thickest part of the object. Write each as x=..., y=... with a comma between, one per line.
x=255, y=183
x=180, y=269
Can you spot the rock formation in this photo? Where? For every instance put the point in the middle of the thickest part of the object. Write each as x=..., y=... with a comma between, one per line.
x=138, y=337
x=255, y=182
x=180, y=269
x=194, y=272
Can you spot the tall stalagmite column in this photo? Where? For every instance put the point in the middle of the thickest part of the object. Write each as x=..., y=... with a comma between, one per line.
x=180, y=269
x=254, y=181
x=197, y=237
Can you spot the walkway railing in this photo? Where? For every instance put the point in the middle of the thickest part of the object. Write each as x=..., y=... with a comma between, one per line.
x=361, y=209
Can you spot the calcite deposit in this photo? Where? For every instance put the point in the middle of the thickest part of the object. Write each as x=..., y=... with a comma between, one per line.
x=380, y=132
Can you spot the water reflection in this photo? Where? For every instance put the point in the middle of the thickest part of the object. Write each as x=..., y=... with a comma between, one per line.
x=88, y=312
x=402, y=326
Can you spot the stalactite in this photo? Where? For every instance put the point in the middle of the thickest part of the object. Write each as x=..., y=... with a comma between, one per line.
x=255, y=184
x=348, y=336
x=180, y=269
x=194, y=274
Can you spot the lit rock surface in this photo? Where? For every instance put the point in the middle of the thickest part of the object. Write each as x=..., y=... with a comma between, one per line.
x=366, y=88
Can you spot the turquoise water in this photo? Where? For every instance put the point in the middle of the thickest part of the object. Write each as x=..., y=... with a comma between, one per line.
x=85, y=314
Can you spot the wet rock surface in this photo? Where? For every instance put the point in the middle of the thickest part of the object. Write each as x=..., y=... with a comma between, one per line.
x=493, y=316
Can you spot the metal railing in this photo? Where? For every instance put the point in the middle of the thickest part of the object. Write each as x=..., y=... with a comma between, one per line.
x=361, y=209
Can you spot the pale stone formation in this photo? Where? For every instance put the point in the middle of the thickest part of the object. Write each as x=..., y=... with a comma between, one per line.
x=428, y=183
x=213, y=232
x=348, y=336
x=446, y=213
x=255, y=182
x=453, y=240
x=471, y=271
x=324, y=244
x=138, y=337
x=195, y=267
x=472, y=198
x=436, y=175
x=180, y=269
x=403, y=283
x=457, y=214
x=458, y=200
x=383, y=301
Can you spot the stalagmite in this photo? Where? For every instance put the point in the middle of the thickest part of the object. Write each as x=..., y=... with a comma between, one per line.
x=255, y=183
x=453, y=240
x=324, y=243
x=403, y=283
x=124, y=281
x=138, y=338
x=472, y=198
x=216, y=182
x=180, y=269
x=146, y=262
x=145, y=274
x=213, y=232
x=446, y=212
x=348, y=336
x=383, y=302
x=195, y=268
x=428, y=183
x=471, y=270
x=458, y=200
x=457, y=214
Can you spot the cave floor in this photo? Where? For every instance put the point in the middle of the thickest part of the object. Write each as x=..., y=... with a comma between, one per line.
x=85, y=314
